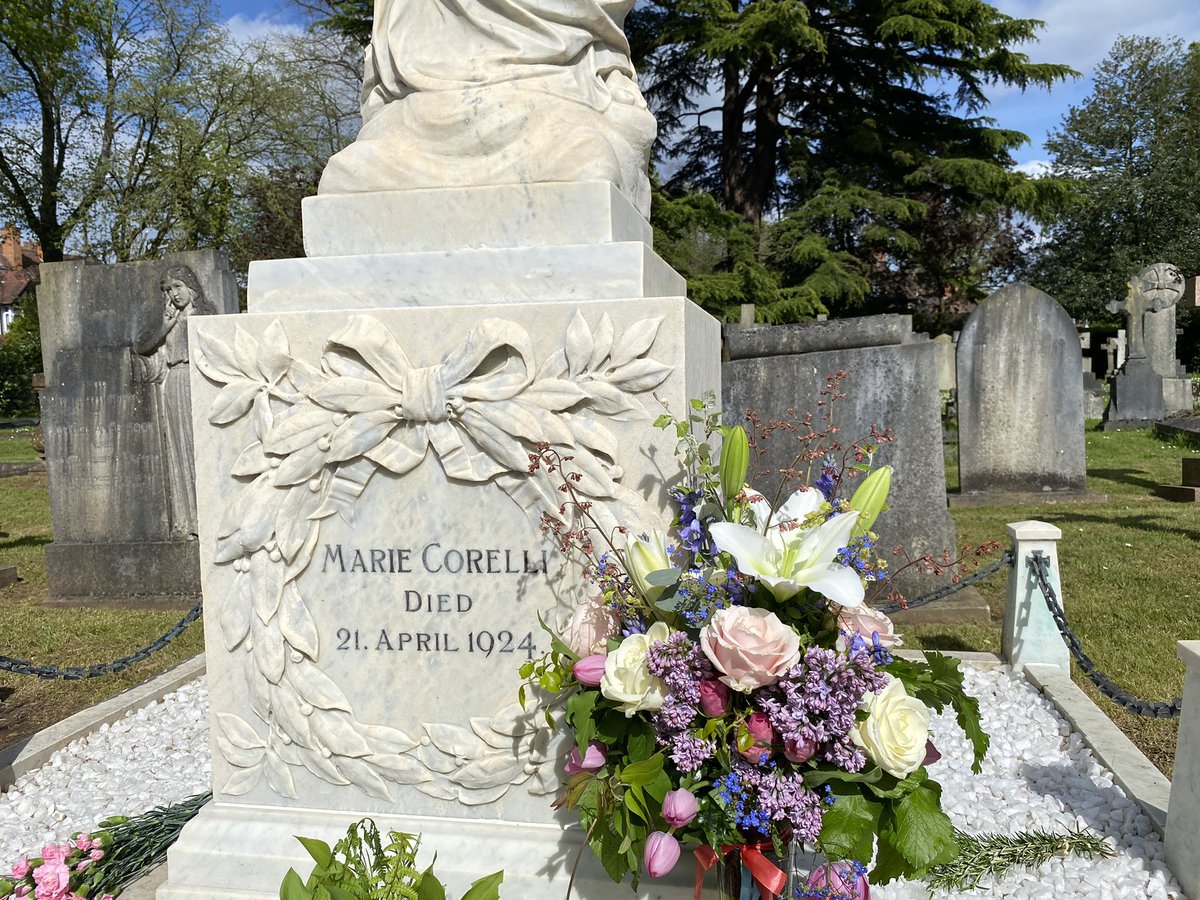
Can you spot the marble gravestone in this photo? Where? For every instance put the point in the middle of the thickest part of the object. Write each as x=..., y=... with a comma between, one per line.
x=116, y=424
x=1020, y=396
x=373, y=565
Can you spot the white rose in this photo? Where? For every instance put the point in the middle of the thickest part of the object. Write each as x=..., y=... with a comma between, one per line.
x=895, y=731
x=627, y=677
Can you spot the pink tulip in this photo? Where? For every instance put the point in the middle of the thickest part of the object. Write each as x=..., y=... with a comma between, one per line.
x=714, y=698
x=662, y=852
x=22, y=890
x=799, y=751
x=593, y=758
x=679, y=807
x=845, y=878
x=590, y=669
x=759, y=728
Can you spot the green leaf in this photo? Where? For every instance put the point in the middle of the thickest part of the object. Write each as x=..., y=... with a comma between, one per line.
x=822, y=776
x=486, y=888
x=635, y=802
x=663, y=577
x=893, y=788
x=612, y=726
x=293, y=887
x=431, y=888
x=920, y=831
x=641, y=742
x=579, y=714
x=889, y=863
x=318, y=850
x=848, y=827
x=644, y=772
x=663, y=421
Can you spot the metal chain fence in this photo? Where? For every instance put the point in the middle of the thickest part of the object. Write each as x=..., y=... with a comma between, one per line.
x=78, y=673
x=1039, y=564
x=985, y=572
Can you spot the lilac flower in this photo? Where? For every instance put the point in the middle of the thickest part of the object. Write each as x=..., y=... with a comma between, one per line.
x=757, y=797
x=682, y=666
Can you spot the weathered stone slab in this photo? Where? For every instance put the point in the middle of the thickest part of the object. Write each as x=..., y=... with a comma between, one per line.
x=947, y=377
x=1020, y=396
x=501, y=216
x=813, y=337
x=893, y=386
x=8, y=575
x=115, y=422
x=1137, y=395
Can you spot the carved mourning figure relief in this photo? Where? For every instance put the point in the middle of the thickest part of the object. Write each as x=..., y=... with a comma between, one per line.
x=496, y=92
x=160, y=358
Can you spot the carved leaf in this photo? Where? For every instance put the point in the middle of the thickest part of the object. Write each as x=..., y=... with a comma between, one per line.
x=513, y=720
x=366, y=777
x=239, y=732
x=251, y=461
x=324, y=768
x=335, y=729
x=305, y=378
x=488, y=772
x=316, y=688
x=637, y=339
x=640, y=375
x=376, y=345
x=290, y=753
x=455, y=740
x=290, y=720
x=360, y=433
x=279, y=777
x=435, y=760
x=543, y=782
x=553, y=394
x=511, y=417
x=468, y=797
x=235, y=755
x=297, y=428
x=610, y=401
x=354, y=395
x=549, y=427
x=242, y=781
x=274, y=357
x=578, y=345
x=460, y=458
x=216, y=358
x=497, y=443
x=602, y=344
x=267, y=586
x=296, y=623
x=232, y=402
x=304, y=556
x=440, y=790
x=388, y=740
x=245, y=349
x=589, y=433
x=259, y=505
x=553, y=367
x=269, y=650
x=260, y=696
x=263, y=418
x=300, y=466
x=399, y=456
x=400, y=768
x=292, y=525
x=235, y=613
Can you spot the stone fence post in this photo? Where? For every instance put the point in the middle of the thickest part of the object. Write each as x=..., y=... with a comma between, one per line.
x=1182, y=838
x=1030, y=636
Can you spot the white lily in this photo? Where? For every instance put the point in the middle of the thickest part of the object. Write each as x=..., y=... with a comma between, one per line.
x=789, y=557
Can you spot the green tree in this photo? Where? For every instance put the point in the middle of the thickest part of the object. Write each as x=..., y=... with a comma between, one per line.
x=1132, y=152
x=837, y=126
x=20, y=360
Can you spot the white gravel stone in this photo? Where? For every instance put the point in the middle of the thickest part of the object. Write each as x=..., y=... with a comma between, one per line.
x=1037, y=775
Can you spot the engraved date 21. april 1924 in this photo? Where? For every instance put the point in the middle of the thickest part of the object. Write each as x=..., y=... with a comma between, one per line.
x=481, y=641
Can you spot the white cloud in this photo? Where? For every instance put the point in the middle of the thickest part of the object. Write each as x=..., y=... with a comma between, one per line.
x=263, y=27
x=1034, y=168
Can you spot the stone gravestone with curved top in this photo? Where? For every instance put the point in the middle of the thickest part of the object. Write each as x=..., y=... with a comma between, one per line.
x=1020, y=396
x=479, y=283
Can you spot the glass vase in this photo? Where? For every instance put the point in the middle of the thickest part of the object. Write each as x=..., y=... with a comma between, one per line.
x=730, y=878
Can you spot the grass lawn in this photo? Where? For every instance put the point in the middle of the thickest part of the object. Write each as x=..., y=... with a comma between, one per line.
x=1128, y=575
x=15, y=447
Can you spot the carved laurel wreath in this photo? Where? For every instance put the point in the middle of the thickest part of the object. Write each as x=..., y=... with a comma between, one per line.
x=321, y=433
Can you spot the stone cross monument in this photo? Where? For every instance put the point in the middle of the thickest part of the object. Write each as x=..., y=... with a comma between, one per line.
x=1137, y=390
x=479, y=283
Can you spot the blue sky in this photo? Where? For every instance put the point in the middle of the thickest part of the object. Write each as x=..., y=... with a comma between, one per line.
x=1078, y=33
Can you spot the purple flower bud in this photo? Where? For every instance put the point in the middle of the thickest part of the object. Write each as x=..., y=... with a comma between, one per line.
x=590, y=669
x=845, y=878
x=799, y=751
x=661, y=855
x=931, y=754
x=714, y=698
x=679, y=807
x=593, y=758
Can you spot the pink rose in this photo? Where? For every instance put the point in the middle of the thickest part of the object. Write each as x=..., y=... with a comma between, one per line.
x=714, y=699
x=751, y=647
x=21, y=867
x=592, y=623
x=590, y=669
x=799, y=751
x=759, y=728
x=845, y=878
x=661, y=854
x=679, y=807
x=592, y=759
x=866, y=622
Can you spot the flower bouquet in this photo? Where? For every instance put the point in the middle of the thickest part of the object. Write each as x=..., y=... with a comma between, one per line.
x=726, y=686
x=60, y=873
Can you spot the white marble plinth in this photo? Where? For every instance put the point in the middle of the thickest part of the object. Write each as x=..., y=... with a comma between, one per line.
x=576, y=273
x=243, y=852
x=517, y=215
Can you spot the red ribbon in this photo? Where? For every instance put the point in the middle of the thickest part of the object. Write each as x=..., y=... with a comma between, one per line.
x=769, y=878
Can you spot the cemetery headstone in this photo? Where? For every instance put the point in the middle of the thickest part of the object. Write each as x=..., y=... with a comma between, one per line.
x=1138, y=388
x=947, y=377
x=373, y=564
x=116, y=424
x=1161, y=331
x=1020, y=396
x=892, y=382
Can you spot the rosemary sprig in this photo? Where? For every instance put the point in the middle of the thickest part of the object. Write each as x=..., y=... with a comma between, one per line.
x=984, y=855
x=140, y=843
